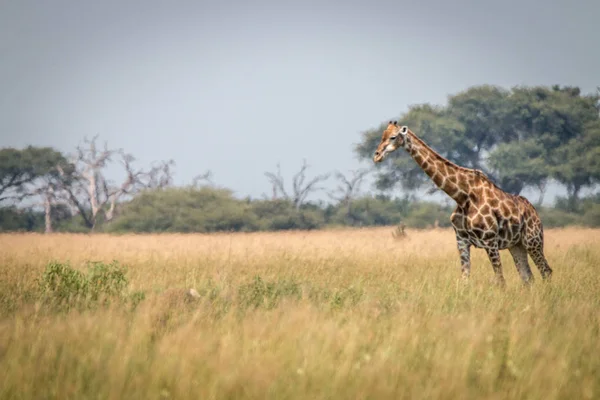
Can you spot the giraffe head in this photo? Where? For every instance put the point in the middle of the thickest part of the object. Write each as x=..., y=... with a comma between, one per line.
x=394, y=136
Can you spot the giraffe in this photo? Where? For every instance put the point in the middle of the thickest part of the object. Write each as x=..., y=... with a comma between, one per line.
x=485, y=216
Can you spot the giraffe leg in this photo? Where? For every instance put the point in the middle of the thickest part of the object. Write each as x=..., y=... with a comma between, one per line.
x=537, y=254
x=519, y=254
x=494, y=256
x=534, y=243
x=464, y=249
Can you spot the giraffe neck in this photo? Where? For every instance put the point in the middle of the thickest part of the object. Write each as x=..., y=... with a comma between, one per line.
x=449, y=177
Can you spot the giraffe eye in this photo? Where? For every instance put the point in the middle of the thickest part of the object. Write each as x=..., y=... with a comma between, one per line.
x=392, y=137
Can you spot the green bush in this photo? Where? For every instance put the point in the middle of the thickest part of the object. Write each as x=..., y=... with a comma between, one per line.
x=13, y=219
x=64, y=287
x=185, y=210
x=259, y=293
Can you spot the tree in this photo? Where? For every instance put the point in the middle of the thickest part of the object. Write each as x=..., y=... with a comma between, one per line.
x=49, y=188
x=32, y=172
x=484, y=112
x=300, y=188
x=558, y=120
x=18, y=168
x=578, y=163
x=90, y=193
x=519, y=164
x=348, y=188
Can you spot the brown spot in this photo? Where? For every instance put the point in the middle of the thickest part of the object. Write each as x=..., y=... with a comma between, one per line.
x=493, y=202
x=485, y=209
x=452, y=178
x=442, y=167
x=489, y=220
x=451, y=190
x=504, y=209
x=438, y=179
x=418, y=158
x=477, y=221
x=461, y=198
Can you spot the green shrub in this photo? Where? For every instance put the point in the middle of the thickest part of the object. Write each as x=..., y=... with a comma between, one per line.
x=64, y=287
x=259, y=293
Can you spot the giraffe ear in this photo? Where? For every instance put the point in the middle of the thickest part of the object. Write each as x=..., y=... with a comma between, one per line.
x=403, y=130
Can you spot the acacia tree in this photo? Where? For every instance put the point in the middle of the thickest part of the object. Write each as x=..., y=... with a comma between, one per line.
x=301, y=188
x=49, y=188
x=580, y=163
x=32, y=173
x=560, y=122
x=520, y=164
x=20, y=168
x=485, y=114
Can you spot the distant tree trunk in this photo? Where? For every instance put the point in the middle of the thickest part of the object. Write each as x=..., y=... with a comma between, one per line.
x=542, y=188
x=47, y=213
x=349, y=210
x=573, y=196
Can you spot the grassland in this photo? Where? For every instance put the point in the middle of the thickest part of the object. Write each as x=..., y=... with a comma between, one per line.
x=303, y=315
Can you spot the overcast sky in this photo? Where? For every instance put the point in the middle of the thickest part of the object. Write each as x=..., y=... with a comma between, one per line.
x=236, y=87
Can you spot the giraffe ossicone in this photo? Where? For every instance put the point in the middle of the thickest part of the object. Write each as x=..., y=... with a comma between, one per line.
x=485, y=216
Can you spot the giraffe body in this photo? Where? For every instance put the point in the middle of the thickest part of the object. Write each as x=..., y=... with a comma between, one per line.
x=485, y=217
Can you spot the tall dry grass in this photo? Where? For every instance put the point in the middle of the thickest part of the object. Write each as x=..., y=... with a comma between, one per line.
x=303, y=315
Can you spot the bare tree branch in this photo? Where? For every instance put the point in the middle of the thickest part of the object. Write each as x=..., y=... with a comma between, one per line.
x=206, y=177
x=132, y=181
x=277, y=183
x=91, y=194
x=160, y=176
x=348, y=188
x=301, y=190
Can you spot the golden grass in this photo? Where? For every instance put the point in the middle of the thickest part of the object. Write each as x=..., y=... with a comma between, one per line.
x=336, y=314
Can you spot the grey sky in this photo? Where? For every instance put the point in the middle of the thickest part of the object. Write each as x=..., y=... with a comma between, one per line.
x=236, y=87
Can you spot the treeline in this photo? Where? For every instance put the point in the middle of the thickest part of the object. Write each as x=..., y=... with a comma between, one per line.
x=522, y=138
x=209, y=209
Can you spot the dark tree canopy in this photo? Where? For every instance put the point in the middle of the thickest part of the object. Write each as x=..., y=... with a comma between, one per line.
x=18, y=168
